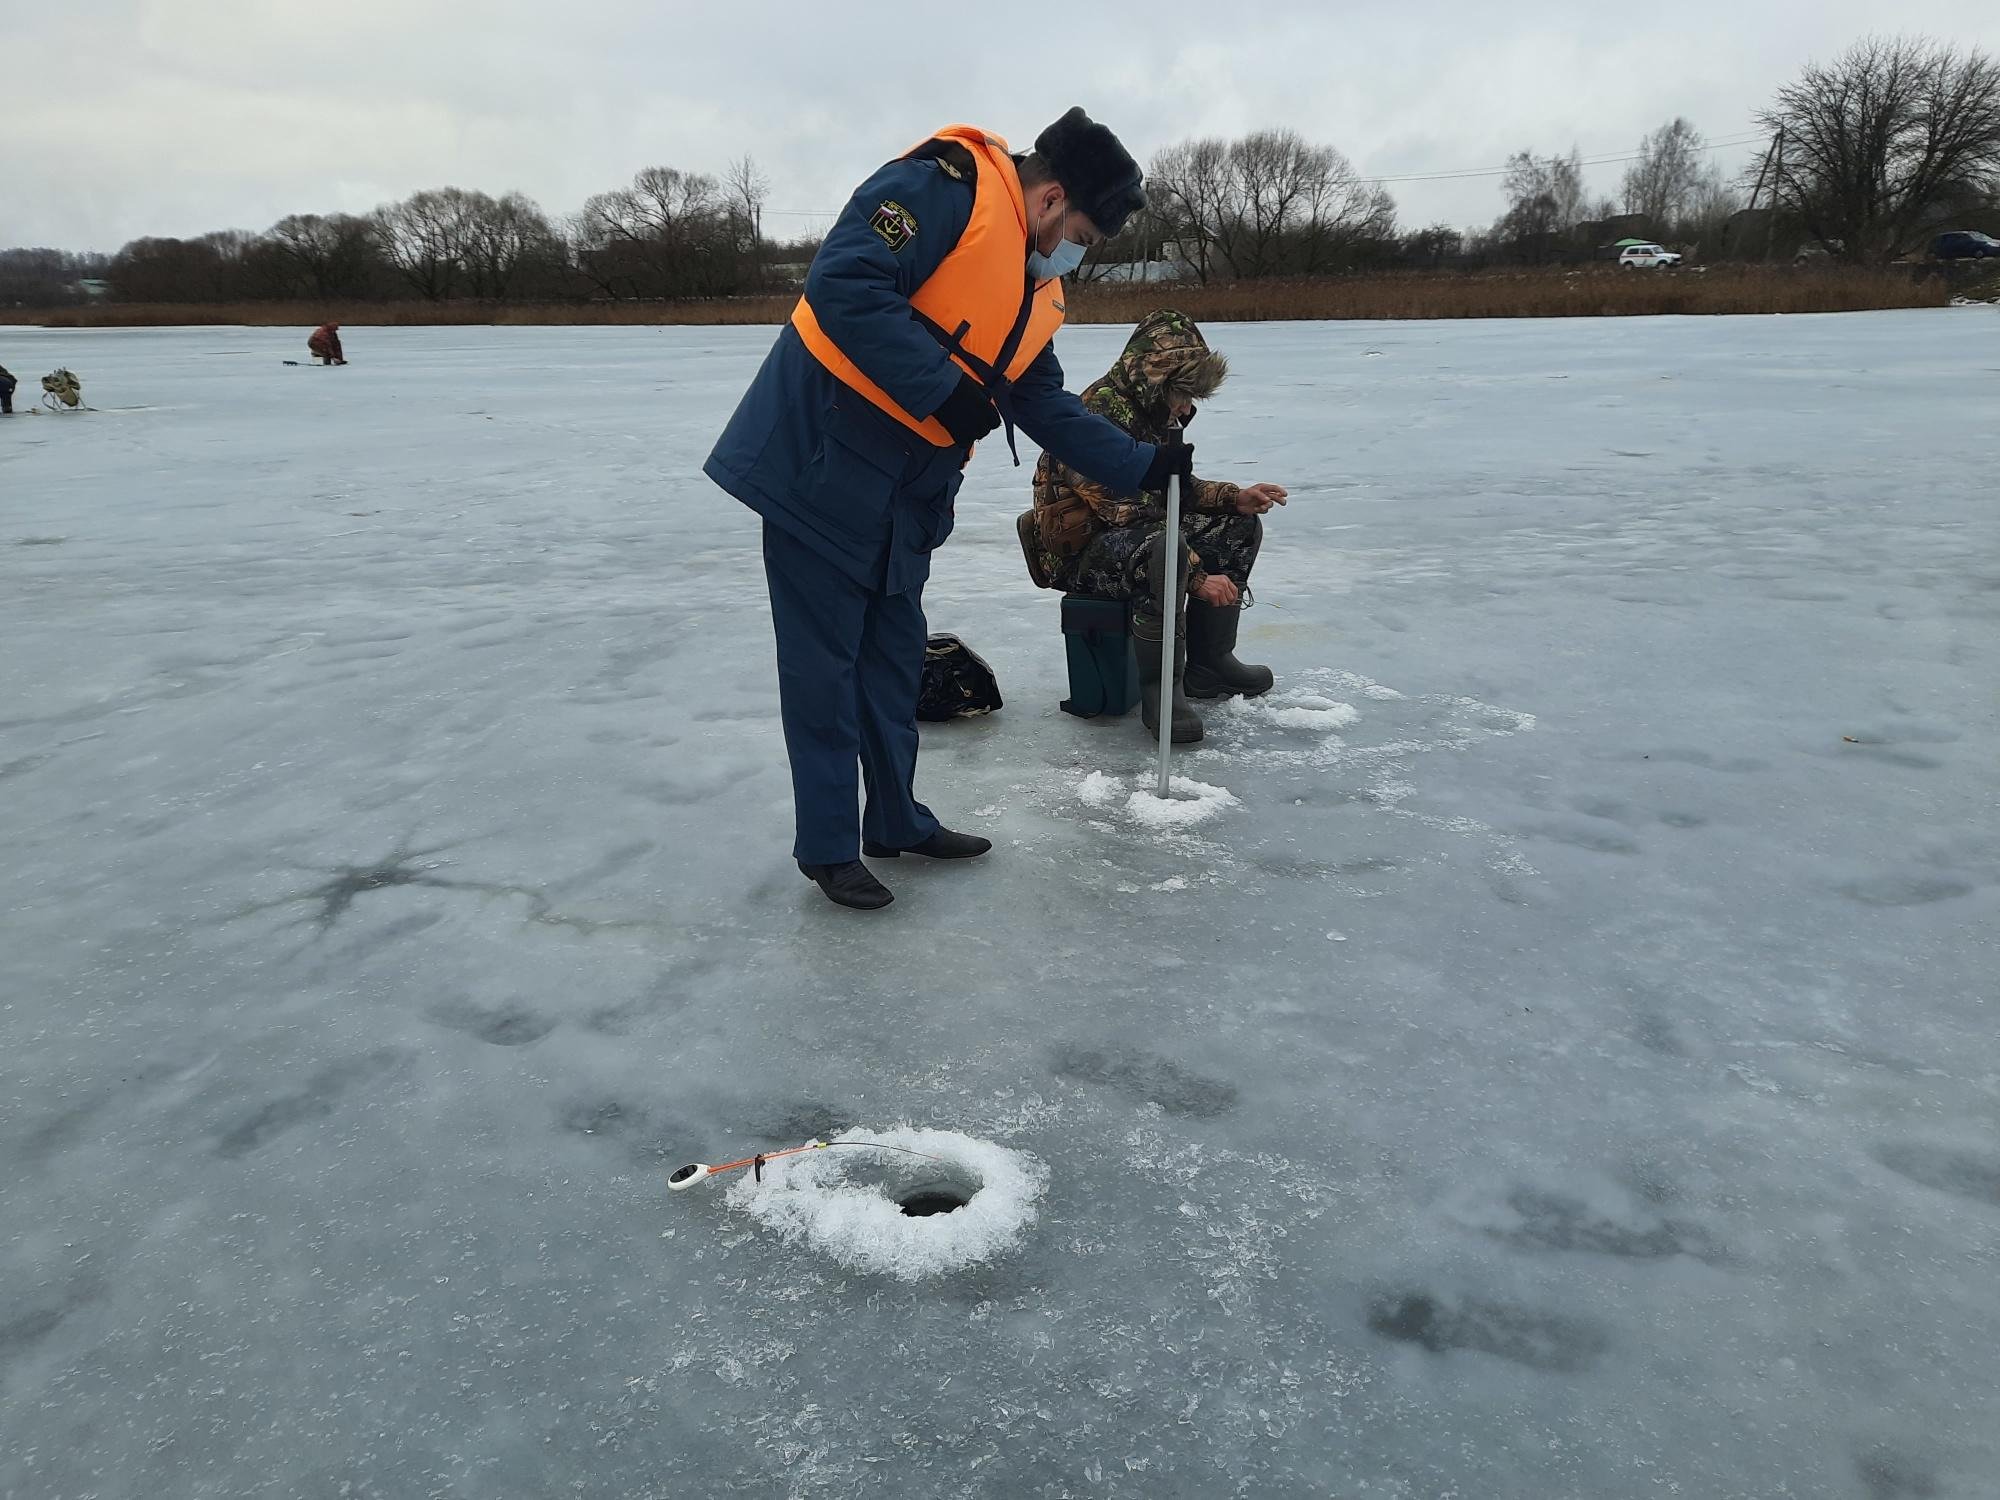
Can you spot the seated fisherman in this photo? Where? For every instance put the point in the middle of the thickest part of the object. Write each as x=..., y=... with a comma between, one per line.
x=1095, y=540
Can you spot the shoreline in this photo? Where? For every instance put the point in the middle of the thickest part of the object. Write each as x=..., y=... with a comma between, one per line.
x=1593, y=291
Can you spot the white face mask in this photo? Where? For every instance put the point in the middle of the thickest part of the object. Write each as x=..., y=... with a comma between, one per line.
x=1065, y=258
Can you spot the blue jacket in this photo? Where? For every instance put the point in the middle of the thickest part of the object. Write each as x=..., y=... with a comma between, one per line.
x=809, y=454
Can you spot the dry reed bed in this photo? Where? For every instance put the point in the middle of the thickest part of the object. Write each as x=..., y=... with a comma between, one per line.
x=1588, y=293
x=1595, y=293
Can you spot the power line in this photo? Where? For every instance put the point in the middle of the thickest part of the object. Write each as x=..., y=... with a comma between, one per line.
x=1588, y=161
x=1466, y=175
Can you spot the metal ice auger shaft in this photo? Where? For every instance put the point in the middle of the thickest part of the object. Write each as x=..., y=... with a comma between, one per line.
x=1170, y=609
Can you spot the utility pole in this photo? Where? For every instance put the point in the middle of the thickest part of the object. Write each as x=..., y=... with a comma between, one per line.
x=1771, y=169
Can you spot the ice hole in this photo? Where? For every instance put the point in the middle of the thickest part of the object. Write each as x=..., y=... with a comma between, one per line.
x=955, y=1202
x=933, y=1198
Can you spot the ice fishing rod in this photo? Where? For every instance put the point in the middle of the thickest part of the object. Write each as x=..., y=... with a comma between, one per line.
x=687, y=1176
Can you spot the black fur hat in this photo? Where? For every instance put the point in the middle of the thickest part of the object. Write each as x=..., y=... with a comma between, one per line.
x=1095, y=170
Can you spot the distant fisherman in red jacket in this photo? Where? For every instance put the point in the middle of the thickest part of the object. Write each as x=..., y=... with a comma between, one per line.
x=325, y=344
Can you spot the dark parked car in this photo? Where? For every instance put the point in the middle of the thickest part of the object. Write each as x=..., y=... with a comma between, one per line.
x=1964, y=244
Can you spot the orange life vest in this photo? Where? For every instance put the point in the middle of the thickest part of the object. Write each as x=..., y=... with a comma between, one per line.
x=975, y=296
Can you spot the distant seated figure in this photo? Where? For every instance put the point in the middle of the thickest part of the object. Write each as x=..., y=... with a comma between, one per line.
x=325, y=344
x=7, y=384
x=1095, y=540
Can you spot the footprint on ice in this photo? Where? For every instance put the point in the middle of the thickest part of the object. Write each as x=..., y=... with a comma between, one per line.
x=1192, y=802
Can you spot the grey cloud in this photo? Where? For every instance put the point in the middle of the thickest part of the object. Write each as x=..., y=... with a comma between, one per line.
x=178, y=116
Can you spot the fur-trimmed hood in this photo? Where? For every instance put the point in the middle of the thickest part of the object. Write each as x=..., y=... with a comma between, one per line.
x=1165, y=358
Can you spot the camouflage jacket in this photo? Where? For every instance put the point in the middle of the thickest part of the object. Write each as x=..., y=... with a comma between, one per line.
x=1165, y=357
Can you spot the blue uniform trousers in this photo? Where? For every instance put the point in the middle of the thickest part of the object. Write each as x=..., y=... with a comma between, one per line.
x=850, y=660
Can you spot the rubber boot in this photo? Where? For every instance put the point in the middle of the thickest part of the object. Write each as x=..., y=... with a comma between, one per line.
x=1213, y=670
x=1187, y=723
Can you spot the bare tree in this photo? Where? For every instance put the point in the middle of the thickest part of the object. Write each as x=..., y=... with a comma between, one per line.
x=1544, y=201
x=670, y=234
x=1709, y=206
x=1551, y=185
x=1188, y=191
x=208, y=269
x=326, y=255
x=508, y=240
x=1271, y=174
x=1301, y=206
x=428, y=237
x=1662, y=182
x=1434, y=245
x=1270, y=204
x=1878, y=140
x=748, y=191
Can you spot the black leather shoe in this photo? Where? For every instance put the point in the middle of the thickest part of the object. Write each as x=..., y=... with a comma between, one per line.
x=944, y=844
x=849, y=884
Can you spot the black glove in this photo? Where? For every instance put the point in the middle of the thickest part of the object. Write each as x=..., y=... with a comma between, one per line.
x=1171, y=459
x=968, y=413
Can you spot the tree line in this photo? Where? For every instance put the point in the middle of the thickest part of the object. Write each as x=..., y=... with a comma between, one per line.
x=668, y=234
x=1864, y=155
x=1274, y=204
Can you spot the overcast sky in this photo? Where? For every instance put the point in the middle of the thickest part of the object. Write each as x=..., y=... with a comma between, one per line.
x=173, y=117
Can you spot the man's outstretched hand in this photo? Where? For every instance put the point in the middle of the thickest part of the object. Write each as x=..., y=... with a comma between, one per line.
x=1217, y=590
x=1255, y=499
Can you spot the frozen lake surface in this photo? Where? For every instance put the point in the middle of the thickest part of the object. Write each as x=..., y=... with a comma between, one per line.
x=1559, y=1061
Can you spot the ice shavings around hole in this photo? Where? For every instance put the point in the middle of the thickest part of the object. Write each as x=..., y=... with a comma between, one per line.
x=1099, y=790
x=840, y=1202
x=1192, y=802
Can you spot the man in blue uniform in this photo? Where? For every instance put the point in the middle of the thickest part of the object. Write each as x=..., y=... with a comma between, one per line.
x=924, y=326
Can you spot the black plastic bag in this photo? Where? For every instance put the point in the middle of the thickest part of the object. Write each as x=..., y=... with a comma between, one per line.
x=957, y=682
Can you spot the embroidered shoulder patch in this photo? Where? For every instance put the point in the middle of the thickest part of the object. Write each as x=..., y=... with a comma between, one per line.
x=895, y=224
